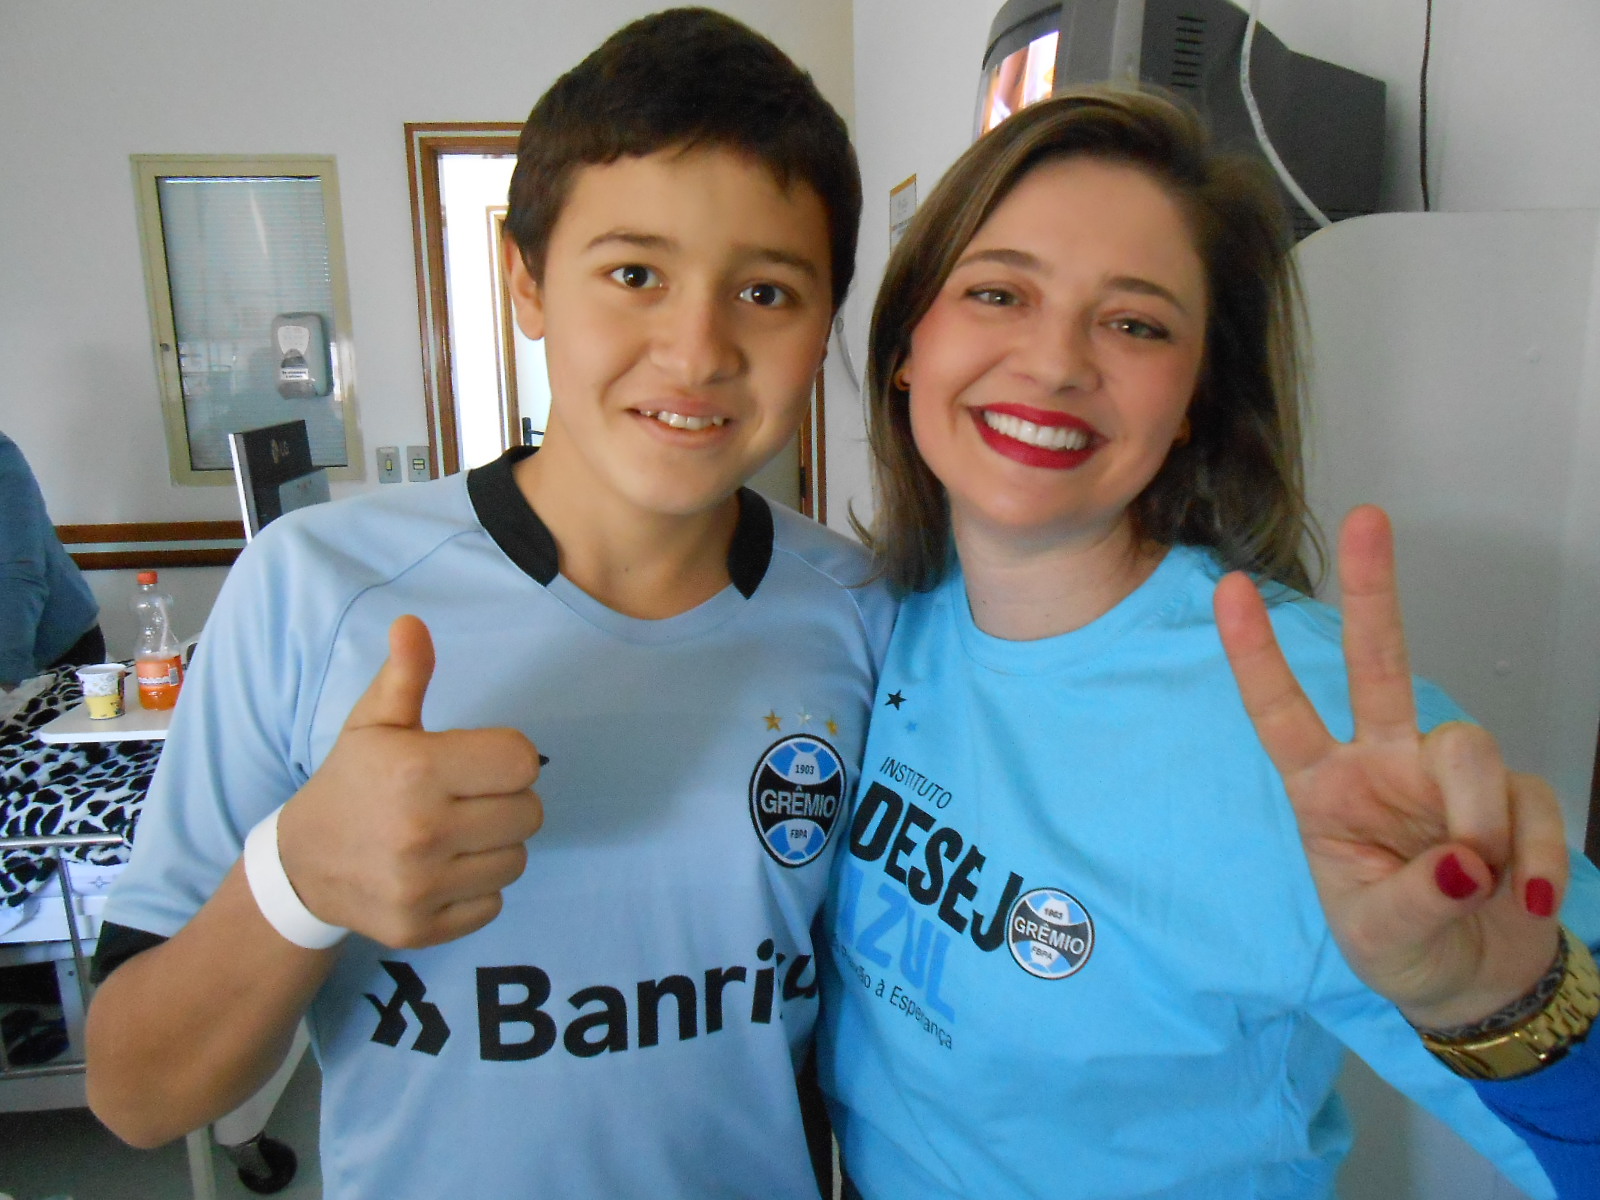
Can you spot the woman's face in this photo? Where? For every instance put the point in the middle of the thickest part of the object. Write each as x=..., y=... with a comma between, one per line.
x=1051, y=375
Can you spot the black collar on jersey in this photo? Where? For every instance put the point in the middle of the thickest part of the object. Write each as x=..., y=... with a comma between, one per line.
x=508, y=518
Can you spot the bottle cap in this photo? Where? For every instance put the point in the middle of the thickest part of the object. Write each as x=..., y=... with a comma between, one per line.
x=147, y=576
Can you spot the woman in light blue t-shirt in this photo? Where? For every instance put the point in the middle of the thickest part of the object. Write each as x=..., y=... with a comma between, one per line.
x=1086, y=941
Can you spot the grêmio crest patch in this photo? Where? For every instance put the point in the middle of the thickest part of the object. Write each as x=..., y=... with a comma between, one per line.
x=796, y=793
x=1050, y=933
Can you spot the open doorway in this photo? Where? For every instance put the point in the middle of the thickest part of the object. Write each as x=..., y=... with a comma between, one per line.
x=484, y=383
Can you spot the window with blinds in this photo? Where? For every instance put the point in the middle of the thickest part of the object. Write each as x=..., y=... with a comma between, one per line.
x=245, y=273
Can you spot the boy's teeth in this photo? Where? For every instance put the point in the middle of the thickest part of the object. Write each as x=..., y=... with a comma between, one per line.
x=1046, y=437
x=679, y=421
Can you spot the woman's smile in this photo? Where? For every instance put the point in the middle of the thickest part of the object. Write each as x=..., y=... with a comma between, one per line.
x=1035, y=436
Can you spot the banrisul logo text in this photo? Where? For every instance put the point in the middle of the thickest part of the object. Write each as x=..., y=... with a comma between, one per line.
x=796, y=793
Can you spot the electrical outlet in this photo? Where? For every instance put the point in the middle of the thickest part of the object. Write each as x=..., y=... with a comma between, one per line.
x=417, y=463
x=389, y=464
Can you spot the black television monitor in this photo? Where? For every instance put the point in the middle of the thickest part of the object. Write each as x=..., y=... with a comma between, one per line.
x=1325, y=122
x=273, y=470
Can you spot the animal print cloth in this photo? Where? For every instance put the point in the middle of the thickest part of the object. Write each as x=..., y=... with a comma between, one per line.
x=84, y=787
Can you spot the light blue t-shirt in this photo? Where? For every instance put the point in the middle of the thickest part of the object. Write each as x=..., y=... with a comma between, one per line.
x=631, y=1023
x=1076, y=950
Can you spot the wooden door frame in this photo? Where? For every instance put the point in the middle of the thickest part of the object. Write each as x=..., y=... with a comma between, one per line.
x=425, y=142
x=813, y=457
x=506, y=342
x=1591, y=845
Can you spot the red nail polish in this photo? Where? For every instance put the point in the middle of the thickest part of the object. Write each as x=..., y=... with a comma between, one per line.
x=1453, y=879
x=1540, y=897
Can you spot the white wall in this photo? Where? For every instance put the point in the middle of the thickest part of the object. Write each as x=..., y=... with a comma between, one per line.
x=916, y=64
x=85, y=84
x=1455, y=384
x=193, y=591
x=1514, y=117
x=1513, y=96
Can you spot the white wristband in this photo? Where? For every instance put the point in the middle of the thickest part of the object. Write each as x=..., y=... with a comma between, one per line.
x=275, y=895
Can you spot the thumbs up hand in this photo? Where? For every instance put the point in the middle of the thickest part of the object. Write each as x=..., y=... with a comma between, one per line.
x=404, y=835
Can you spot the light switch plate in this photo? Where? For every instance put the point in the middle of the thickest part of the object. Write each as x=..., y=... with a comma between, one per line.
x=417, y=464
x=389, y=464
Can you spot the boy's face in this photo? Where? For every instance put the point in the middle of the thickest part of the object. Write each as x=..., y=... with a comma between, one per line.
x=685, y=308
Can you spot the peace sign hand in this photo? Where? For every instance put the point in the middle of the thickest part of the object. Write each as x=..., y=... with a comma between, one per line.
x=1439, y=870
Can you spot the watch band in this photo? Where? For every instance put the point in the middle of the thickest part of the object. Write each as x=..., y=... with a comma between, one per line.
x=1541, y=1038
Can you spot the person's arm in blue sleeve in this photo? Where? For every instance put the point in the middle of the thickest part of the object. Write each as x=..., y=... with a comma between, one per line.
x=1556, y=1111
x=23, y=585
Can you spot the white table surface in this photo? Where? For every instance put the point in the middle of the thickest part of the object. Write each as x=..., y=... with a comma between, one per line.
x=136, y=724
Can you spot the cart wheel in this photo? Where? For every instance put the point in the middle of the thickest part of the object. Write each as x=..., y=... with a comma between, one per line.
x=265, y=1164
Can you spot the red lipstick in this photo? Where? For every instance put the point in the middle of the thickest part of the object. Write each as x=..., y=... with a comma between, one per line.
x=1027, y=453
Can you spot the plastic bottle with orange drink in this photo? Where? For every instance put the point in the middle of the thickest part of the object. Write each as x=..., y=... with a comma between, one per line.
x=158, y=655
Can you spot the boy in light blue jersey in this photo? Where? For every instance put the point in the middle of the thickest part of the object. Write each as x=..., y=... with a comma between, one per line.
x=619, y=1005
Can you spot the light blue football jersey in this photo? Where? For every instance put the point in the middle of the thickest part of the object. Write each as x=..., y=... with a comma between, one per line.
x=1075, y=948
x=630, y=1024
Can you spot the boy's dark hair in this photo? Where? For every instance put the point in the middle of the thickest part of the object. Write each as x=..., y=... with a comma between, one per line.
x=685, y=78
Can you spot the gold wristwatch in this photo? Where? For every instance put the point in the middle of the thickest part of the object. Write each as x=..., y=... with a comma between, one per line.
x=1538, y=1040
